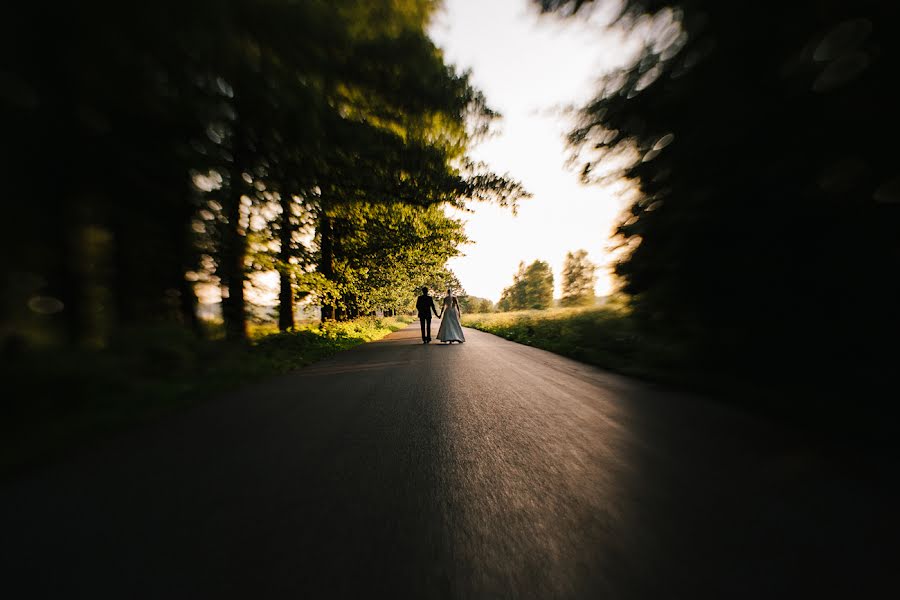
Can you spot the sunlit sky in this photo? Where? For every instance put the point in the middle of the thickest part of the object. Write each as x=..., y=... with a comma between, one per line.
x=527, y=66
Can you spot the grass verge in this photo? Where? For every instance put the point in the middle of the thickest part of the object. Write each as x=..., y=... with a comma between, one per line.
x=607, y=337
x=58, y=400
x=813, y=399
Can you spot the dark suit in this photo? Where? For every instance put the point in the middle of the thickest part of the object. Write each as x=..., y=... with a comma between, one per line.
x=425, y=306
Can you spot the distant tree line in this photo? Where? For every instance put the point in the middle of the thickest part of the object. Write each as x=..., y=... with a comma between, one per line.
x=532, y=287
x=474, y=304
x=149, y=147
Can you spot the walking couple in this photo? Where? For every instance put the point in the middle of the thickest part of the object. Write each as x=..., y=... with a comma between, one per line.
x=450, y=330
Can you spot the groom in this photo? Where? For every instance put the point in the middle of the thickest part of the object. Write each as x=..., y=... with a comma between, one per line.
x=425, y=306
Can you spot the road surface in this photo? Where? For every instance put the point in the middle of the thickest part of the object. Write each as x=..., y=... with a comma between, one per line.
x=483, y=470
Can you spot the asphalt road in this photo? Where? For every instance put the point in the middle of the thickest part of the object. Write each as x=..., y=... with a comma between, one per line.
x=483, y=470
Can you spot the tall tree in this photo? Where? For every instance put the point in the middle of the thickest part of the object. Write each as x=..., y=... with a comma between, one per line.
x=532, y=288
x=383, y=253
x=513, y=297
x=579, y=277
x=157, y=151
x=762, y=137
x=538, y=285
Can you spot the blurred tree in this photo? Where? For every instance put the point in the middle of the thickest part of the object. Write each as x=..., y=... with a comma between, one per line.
x=532, y=288
x=474, y=304
x=409, y=152
x=578, y=279
x=166, y=143
x=439, y=280
x=513, y=297
x=384, y=253
x=538, y=285
x=762, y=137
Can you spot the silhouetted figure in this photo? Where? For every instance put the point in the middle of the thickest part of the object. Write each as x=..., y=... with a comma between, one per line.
x=425, y=306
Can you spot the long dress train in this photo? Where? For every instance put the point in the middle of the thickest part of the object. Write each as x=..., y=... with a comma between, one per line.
x=450, y=330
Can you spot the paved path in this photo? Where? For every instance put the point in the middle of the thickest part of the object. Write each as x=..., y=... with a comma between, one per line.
x=483, y=470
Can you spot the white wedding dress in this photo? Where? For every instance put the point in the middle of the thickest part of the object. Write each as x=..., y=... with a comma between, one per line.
x=451, y=330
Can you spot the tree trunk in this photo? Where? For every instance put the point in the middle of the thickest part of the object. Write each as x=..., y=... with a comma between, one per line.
x=184, y=261
x=285, y=281
x=326, y=258
x=232, y=268
x=188, y=307
x=234, y=251
x=66, y=282
x=285, y=302
x=124, y=271
x=187, y=296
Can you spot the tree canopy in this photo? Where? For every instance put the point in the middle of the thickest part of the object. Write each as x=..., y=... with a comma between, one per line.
x=155, y=146
x=578, y=279
x=761, y=136
x=532, y=288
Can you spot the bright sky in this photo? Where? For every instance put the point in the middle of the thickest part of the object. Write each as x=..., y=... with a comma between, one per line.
x=527, y=66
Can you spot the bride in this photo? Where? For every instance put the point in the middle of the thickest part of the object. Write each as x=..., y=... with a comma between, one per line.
x=450, y=331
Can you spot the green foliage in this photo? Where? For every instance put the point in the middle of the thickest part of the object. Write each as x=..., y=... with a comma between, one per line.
x=607, y=336
x=285, y=351
x=538, y=285
x=440, y=280
x=384, y=253
x=532, y=288
x=578, y=279
x=763, y=143
x=165, y=143
x=474, y=304
x=599, y=336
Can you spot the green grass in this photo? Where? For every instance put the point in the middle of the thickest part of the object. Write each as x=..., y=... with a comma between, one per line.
x=815, y=402
x=604, y=336
x=58, y=400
